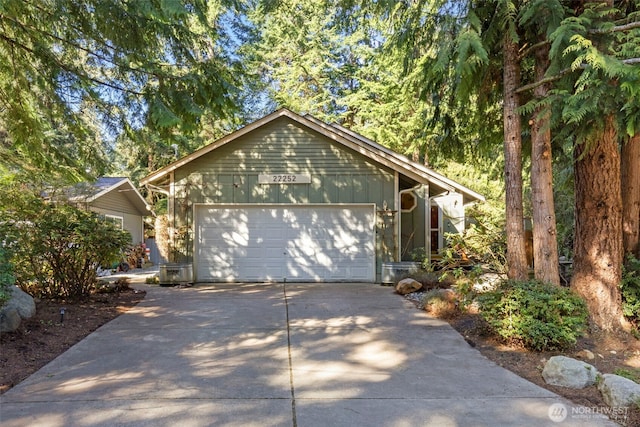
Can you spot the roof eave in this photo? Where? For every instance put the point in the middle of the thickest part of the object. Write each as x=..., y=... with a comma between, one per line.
x=137, y=200
x=407, y=167
x=356, y=142
x=160, y=173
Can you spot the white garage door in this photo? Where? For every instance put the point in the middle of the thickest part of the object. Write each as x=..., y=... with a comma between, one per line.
x=293, y=242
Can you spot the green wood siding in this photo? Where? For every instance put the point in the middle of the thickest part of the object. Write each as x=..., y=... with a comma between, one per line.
x=115, y=201
x=229, y=174
x=413, y=227
x=130, y=222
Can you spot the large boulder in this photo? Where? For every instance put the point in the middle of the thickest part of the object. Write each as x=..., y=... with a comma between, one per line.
x=19, y=306
x=407, y=286
x=567, y=372
x=619, y=391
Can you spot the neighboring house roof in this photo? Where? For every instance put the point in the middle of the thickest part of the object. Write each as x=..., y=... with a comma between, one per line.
x=89, y=193
x=346, y=137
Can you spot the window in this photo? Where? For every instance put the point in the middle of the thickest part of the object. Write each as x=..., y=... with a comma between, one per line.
x=408, y=202
x=117, y=220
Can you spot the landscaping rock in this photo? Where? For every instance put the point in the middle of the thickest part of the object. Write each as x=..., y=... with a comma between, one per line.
x=19, y=306
x=407, y=286
x=619, y=391
x=488, y=282
x=567, y=372
x=9, y=319
x=585, y=354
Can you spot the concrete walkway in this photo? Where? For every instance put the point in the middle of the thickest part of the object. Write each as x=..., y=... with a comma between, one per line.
x=278, y=355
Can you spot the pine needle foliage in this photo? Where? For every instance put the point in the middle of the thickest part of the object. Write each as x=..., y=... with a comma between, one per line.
x=596, y=56
x=70, y=70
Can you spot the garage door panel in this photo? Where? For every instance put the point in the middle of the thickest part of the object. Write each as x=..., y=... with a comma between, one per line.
x=256, y=252
x=219, y=260
x=273, y=243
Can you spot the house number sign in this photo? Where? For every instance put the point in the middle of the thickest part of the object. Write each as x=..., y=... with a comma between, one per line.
x=284, y=178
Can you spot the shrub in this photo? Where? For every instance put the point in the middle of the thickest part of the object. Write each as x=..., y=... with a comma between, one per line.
x=6, y=275
x=441, y=303
x=538, y=315
x=469, y=254
x=629, y=373
x=630, y=289
x=120, y=285
x=56, y=249
x=153, y=280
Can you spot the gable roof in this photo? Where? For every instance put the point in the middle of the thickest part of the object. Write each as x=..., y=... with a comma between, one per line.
x=89, y=193
x=344, y=136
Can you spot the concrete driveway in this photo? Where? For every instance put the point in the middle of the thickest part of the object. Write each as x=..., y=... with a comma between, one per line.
x=278, y=355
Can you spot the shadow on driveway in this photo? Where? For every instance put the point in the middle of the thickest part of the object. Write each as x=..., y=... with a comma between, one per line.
x=277, y=355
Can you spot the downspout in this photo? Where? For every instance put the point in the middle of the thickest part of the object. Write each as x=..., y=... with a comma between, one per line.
x=427, y=228
x=171, y=211
x=439, y=231
x=401, y=192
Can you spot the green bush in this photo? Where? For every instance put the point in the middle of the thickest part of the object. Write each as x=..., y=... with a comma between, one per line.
x=478, y=249
x=153, y=280
x=632, y=374
x=56, y=249
x=630, y=289
x=441, y=303
x=538, y=315
x=6, y=275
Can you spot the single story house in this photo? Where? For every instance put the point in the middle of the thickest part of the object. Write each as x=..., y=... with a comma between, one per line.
x=118, y=200
x=291, y=198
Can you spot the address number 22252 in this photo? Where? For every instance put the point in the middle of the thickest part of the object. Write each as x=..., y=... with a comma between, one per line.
x=284, y=179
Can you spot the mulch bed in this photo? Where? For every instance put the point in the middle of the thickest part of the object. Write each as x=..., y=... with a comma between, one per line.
x=48, y=334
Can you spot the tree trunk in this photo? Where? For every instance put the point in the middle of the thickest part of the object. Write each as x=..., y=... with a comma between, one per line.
x=598, y=236
x=631, y=196
x=545, y=244
x=516, y=255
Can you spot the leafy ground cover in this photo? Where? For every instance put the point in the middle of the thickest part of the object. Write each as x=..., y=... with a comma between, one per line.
x=614, y=354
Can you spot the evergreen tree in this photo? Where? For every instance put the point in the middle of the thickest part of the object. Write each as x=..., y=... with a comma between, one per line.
x=67, y=64
x=538, y=20
x=469, y=57
x=327, y=58
x=593, y=67
x=630, y=178
x=595, y=55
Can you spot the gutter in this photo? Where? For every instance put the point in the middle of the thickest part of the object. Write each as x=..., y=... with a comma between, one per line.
x=399, y=208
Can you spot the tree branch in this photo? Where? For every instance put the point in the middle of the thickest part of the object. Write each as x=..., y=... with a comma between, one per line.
x=75, y=45
x=528, y=50
x=546, y=80
x=561, y=74
x=618, y=28
x=77, y=72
